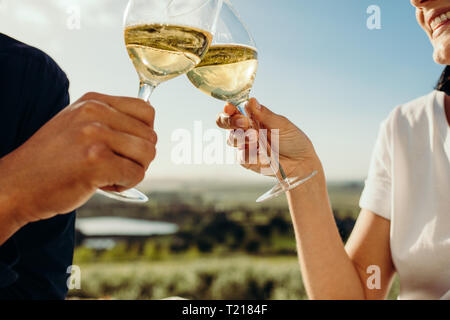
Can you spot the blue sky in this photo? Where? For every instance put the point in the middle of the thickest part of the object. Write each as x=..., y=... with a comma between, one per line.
x=319, y=65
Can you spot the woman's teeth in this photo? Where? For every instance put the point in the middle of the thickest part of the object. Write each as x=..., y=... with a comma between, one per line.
x=439, y=20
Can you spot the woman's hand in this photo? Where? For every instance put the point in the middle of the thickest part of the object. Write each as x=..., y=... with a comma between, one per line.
x=296, y=152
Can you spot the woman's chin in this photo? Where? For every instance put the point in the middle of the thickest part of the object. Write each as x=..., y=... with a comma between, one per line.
x=442, y=49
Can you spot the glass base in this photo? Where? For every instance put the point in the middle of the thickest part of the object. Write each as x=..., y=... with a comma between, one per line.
x=131, y=195
x=291, y=183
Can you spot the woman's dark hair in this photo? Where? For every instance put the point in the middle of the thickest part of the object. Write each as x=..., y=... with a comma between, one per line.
x=444, y=81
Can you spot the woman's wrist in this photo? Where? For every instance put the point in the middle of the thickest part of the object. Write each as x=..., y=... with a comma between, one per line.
x=307, y=166
x=314, y=189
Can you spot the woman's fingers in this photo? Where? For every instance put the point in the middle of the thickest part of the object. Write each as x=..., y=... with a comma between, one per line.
x=240, y=138
x=237, y=121
x=265, y=116
x=249, y=159
x=240, y=121
x=223, y=121
x=231, y=118
x=230, y=109
x=249, y=154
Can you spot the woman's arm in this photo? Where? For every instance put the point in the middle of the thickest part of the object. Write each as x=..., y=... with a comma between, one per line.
x=369, y=245
x=330, y=271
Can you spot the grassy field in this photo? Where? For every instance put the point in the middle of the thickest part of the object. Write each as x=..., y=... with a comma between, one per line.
x=344, y=196
x=216, y=278
x=228, y=246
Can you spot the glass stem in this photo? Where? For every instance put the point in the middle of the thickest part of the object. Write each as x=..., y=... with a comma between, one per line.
x=145, y=91
x=264, y=144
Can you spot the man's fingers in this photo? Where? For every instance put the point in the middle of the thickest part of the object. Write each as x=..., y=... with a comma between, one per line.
x=123, y=174
x=110, y=170
x=133, y=148
x=136, y=149
x=119, y=121
x=127, y=124
x=133, y=107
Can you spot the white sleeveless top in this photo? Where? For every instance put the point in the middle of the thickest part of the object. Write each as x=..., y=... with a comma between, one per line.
x=409, y=184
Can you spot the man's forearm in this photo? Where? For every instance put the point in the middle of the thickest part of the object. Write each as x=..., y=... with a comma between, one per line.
x=9, y=224
x=328, y=272
x=10, y=220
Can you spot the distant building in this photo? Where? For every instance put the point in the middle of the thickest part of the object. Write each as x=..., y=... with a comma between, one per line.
x=104, y=232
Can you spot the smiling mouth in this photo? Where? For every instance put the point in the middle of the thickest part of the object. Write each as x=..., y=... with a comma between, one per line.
x=440, y=21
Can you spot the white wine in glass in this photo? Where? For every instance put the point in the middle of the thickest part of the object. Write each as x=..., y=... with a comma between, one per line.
x=165, y=39
x=227, y=72
x=163, y=52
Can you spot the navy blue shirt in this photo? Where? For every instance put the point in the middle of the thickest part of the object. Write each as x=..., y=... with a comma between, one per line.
x=33, y=89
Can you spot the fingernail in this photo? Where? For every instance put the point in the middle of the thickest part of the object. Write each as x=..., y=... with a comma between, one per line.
x=241, y=123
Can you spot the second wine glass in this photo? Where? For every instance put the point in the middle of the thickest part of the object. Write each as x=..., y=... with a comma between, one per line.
x=227, y=73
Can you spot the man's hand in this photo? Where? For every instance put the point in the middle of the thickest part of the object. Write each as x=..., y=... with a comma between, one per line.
x=99, y=141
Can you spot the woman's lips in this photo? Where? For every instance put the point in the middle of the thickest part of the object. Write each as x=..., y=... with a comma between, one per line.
x=440, y=28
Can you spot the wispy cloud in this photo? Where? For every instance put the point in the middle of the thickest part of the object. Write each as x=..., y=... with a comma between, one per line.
x=25, y=11
x=54, y=13
x=102, y=13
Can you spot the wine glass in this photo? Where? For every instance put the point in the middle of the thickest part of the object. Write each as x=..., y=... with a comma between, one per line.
x=165, y=39
x=227, y=72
